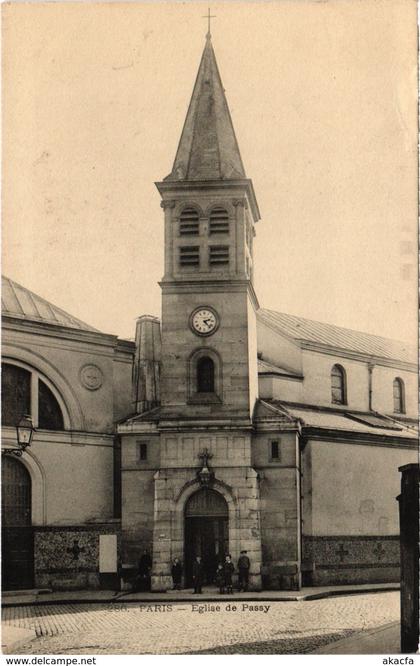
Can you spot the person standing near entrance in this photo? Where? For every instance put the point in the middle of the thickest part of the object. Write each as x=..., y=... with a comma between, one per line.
x=176, y=574
x=197, y=575
x=142, y=583
x=228, y=570
x=220, y=578
x=244, y=565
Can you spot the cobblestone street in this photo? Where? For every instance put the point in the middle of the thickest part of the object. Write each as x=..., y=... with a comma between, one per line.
x=256, y=627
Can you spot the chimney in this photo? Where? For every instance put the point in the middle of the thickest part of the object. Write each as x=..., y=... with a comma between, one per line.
x=146, y=370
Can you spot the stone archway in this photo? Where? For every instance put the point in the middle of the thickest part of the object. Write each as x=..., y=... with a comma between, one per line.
x=206, y=532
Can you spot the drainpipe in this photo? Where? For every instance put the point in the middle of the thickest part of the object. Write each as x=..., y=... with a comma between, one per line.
x=370, y=371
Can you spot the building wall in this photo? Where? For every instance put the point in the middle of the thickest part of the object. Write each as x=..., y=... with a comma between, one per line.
x=317, y=380
x=317, y=383
x=280, y=509
x=277, y=349
x=350, y=513
x=279, y=388
x=65, y=357
x=230, y=342
x=382, y=381
x=72, y=470
x=252, y=356
x=137, y=510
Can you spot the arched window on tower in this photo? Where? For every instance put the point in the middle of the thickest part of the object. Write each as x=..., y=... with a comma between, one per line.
x=205, y=375
x=338, y=385
x=399, y=397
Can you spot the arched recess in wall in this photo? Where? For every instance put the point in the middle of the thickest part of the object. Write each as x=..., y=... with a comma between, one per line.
x=338, y=385
x=204, y=376
x=52, y=378
x=38, y=487
x=398, y=390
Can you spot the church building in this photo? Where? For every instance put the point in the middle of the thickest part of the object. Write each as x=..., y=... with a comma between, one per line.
x=224, y=427
x=265, y=432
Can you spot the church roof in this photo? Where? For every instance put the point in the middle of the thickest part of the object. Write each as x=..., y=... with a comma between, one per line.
x=317, y=332
x=17, y=301
x=367, y=423
x=208, y=149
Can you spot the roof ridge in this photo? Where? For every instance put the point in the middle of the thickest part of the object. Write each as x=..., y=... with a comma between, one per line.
x=335, y=326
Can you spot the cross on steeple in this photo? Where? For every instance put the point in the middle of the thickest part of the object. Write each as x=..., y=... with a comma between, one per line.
x=208, y=17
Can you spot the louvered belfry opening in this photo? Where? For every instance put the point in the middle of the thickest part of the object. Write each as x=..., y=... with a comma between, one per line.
x=189, y=222
x=219, y=221
x=189, y=256
x=219, y=255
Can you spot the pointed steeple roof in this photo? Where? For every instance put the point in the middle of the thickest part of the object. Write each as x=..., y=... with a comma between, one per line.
x=208, y=149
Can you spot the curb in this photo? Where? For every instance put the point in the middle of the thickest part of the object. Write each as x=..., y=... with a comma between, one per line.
x=356, y=637
x=121, y=597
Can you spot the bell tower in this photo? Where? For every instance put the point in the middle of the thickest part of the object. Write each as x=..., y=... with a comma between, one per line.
x=209, y=354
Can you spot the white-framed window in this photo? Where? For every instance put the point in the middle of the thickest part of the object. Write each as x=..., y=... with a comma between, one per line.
x=25, y=391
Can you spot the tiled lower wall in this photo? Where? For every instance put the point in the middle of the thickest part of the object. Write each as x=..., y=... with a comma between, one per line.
x=339, y=560
x=68, y=557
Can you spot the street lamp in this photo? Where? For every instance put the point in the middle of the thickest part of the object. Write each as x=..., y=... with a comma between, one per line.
x=24, y=433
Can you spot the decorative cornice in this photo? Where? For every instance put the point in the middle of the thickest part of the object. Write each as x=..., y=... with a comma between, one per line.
x=71, y=437
x=58, y=331
x=357, y=356
x=240, y=202
x=167, y=204
x=238, y=185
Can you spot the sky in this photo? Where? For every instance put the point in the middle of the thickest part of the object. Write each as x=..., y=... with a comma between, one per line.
x=323, y=100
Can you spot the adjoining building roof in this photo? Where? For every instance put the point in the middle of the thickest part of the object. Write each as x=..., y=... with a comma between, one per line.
x=266, y=368
x=17, y=301
x=208, y=149
x=351, y=422
x=317, y=332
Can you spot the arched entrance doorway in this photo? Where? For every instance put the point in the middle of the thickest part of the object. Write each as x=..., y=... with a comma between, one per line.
x=206, y=532
x=17, y=550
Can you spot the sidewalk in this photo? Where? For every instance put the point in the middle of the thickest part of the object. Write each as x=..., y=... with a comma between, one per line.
x=381, y=640
x=13, y=637
x=43, y=597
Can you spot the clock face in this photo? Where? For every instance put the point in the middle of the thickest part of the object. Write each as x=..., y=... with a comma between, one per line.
x=204, y=321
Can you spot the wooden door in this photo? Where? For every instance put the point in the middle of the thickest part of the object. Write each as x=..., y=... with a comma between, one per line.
x=17, y=534
x=206, y=533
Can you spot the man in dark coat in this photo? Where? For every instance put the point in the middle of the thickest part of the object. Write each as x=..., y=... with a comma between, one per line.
x=228, y=569
x=197, y=575
x=243, y=567
x=145, y=569
x=176, y=573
